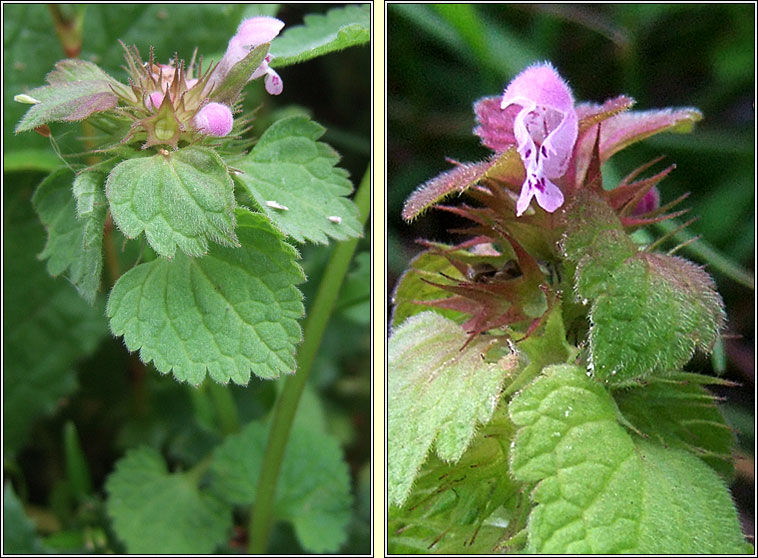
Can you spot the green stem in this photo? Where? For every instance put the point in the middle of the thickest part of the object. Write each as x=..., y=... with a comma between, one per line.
x=262, y=516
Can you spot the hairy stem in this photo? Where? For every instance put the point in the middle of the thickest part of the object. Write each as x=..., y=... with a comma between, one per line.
x=262, y=516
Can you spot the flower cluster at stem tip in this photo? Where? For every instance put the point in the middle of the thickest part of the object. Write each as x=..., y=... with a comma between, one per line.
x=216, y=119
x=184, y=97
x=545, y=128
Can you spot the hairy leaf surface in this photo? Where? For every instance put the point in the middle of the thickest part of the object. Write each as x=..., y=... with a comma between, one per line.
x=680, y=413
x=437, y=394
x=505, y=166
x=601, y=491
x=77, y=89
x=154, y=511
x=74, y=227
x=320, y=34
x=293, y=179
x=648, y=312
x=229, y=313
x=472, y=506
x=180, y=199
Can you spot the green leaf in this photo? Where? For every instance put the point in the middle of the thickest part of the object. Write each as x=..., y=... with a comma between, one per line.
x=73, y=70
x=320, y=34
x=468, y=507
x=77, y=90
x=649, y=312
x=51, y=328
x=154, y=511
x=292, y=178
x=230, y=312
x=683, y=496
x=428, y=377
x=679, y=413
x=19, y=532
x=180, y=199
x=599, y=491
x=74, y=227
x=91, y=205
x=313, y=492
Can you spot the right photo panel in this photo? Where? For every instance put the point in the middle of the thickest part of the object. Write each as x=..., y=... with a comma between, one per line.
x=570, y=279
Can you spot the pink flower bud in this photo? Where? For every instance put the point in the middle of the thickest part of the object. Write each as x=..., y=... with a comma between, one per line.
x=154, y=100
x=214, y=119
x=649, y=202
x=545, y=130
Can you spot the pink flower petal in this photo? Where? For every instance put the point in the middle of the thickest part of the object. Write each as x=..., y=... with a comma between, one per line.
x=258, y=30
x=541, y=85
x=273, y=82
x=250, y=33
x=261, y=70
x=545, y=130
x=495, y=125
x=550, y=197
x=527, y=193
x=559, y=145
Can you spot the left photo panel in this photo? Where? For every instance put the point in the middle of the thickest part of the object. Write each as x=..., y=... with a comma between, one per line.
x=187, y=279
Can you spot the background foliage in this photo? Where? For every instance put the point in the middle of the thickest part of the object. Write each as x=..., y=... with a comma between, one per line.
x=442, y=58
x=75, y=401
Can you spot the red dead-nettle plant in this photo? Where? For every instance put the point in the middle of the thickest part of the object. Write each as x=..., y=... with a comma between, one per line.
x=545, y=350
x=212, y=288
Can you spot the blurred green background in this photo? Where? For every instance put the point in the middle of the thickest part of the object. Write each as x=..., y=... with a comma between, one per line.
x=442, y=58
x=111, y=402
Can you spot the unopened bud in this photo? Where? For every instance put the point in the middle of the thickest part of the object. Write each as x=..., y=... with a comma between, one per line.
x=649, y=202
x=214, y=119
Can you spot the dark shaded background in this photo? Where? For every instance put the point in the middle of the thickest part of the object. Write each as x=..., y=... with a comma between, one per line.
x=442, y=58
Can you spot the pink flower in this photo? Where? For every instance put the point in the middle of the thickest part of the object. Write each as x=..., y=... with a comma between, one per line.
x=251, y=33
x=545, y=130
x=214, y=119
